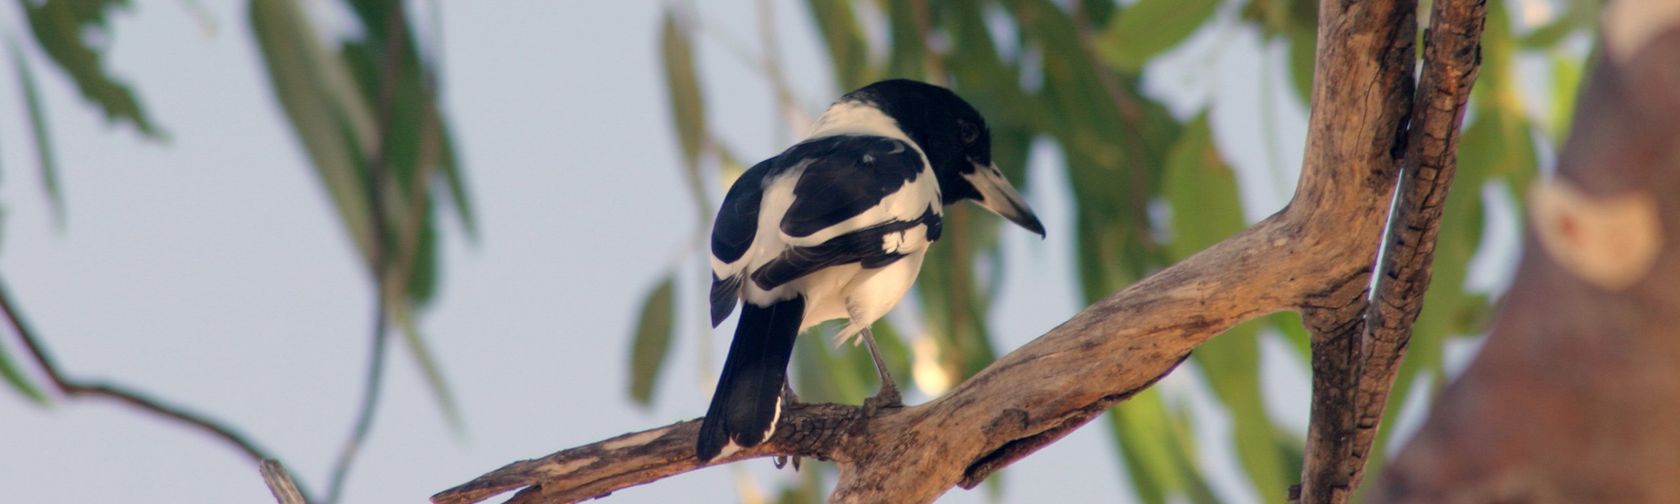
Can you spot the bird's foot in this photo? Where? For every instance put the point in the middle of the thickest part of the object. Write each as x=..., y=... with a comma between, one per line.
x=887, y=398
x=783, y=460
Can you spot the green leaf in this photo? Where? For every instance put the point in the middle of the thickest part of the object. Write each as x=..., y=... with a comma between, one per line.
x=1566, y=84
x=64, y=29
x=1150, y=27
x=15, y=377
x=1157, y=449
x=1206, y=205
x=909, y=51
x=422, y=280
x=824, y=375
x=38, y=128
x=1294, y=333
x=1206, y=209
x=11, y=372
x=1549, y=34
x=327, y=112
x=844, y=38
x=687, y=108
x=652, y=340
x=403, y=314
x=450, y=161
x=1303, y=47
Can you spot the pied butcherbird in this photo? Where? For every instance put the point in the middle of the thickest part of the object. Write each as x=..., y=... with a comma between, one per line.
x=836, y=227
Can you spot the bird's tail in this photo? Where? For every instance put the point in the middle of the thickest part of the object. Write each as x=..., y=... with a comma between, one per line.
x=747, y=401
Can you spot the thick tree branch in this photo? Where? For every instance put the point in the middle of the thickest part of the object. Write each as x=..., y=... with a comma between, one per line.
x=1451, y=61
x=1362, y=78
x=1357, y=346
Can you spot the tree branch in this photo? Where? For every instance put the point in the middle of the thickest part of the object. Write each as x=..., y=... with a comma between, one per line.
x=1357, y=347
x=76, y=388
x=1375, y=37
x=1451, y=62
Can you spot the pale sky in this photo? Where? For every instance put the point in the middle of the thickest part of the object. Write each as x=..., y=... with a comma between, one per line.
x=212, y=272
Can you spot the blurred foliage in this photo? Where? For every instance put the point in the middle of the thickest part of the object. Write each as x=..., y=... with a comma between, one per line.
x=1069, y=73
x=367, y=113
x=362, y=103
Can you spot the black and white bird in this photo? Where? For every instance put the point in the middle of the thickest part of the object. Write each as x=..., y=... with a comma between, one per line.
x=836, y=227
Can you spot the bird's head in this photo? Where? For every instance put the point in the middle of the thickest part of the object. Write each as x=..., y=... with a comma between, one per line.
x=956, y=141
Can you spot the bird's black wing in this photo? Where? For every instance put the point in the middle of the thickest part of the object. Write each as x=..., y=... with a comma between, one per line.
x=732, y=234
x=846, y=176
x=849, y=177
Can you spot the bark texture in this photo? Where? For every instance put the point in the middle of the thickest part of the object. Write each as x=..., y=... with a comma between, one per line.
x=1357, y=350
x=1575, y=397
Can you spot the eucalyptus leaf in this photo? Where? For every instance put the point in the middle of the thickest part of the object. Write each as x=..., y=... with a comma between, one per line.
x=403, y=314
x=687, y=108
x=1149, y=28
x=1156, y=451
x=15, y=377
x=652, y=340
x=847, y=48
x=1303, y=54
x=327, y=113
x=38, y=128
x=1206, y=208
x=62, y=29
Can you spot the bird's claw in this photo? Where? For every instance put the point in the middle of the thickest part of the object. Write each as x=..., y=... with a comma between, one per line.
x=783, y=460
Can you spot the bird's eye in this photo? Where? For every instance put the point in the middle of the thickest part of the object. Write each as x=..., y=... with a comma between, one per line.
x=969, y=132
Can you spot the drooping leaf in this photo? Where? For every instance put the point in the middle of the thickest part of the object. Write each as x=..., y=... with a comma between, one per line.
x=652, y=340
x=451, y=163
x=38, y=129
x=422, y=282
x=909, y=50
x=1303, y=54
x=847, y=48
x=326, y=111
x=687, y=107
x=828, y=374
x=1566, y=83
x=67, y=31
x=403, y=315
x=1149, y=28
x=1206, y=208
x=22, y=384
x=1157, y=449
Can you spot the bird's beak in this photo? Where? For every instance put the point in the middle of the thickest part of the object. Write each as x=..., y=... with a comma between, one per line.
x=997, y=195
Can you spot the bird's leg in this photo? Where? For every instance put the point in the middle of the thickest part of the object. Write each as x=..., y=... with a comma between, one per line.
x=888, y=397
x=788, y=400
